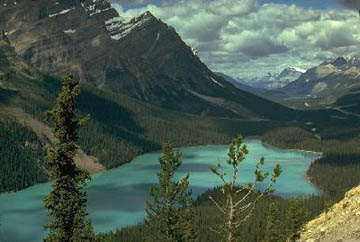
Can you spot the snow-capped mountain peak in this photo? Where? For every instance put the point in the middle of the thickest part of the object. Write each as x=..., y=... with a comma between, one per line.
x=277, y=80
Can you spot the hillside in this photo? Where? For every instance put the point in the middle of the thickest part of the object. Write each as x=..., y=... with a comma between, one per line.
x=240, y=85
x=121, y=128
x=143, y=58
x=340, y=223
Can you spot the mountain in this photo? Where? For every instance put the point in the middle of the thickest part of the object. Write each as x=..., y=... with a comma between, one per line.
x=327, y=78
x=277, y=80
x=334, y=83
x=141, y=83
x=240, y=84
x=143, y=58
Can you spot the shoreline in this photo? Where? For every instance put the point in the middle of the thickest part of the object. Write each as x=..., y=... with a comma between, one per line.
x=278, y=148
x=305, y=174
x=253, y=137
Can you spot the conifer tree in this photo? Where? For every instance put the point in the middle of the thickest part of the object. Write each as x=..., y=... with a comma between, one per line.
x=66, y=203
x=170, y=214
x=296, y=217
x=237, y=210
x=273, y=225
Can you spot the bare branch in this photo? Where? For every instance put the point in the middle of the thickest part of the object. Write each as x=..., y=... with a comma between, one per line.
x=246, y=196
x=217, y=205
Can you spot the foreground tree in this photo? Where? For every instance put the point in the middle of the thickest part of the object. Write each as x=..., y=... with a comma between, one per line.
x=170, y=214
x=238, y=208
x=66, y=203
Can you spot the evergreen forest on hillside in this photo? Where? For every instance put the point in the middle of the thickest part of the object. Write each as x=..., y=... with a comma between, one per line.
x=21, y=157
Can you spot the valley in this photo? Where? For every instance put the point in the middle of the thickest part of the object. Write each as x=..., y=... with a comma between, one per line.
x=333, y=85
x=143, y=85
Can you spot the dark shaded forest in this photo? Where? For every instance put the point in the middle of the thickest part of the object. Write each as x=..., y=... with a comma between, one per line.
x=292, y=214
x=21, y=157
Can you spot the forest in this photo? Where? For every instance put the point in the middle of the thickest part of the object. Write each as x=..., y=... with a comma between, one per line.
x=334, y=173
x=143, y=128
x=291, y=214
x=21, y=157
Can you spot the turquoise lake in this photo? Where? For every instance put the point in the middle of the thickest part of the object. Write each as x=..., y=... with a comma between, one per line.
x=117, y=197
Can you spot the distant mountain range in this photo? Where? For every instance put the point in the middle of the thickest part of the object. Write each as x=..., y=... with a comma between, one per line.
x=332, y=84
x=274, y=81
x=332, y=76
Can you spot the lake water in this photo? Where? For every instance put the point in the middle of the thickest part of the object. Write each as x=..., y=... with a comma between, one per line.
x=117, y=197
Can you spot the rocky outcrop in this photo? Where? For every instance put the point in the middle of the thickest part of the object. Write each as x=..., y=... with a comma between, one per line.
x=340, y=223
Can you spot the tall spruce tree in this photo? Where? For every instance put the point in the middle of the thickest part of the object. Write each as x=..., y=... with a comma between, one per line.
x=273, y=225
x=170, y=214
x=66, y=203
x=237, y=210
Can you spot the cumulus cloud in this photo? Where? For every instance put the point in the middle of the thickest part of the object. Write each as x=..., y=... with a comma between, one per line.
x=241, y=37
x=131, y=1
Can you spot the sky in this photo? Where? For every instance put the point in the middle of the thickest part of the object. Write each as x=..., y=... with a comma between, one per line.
x=250, y=38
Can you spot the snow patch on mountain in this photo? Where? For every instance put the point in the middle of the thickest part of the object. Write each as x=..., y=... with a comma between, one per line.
x=194, y=51
x=65, y=11
x=119, y=29
x=70, y=31
x=158, y=36
x=298, y=69
x=99, y=11
x=215, y=81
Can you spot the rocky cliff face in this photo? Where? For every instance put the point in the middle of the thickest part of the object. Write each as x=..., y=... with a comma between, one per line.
x=340, y=223
x=143, y=58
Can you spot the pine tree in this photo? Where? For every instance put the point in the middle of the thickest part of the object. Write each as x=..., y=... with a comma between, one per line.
x=273, y=225
x=66, y=203
x=170, y=214
x=296, y=217
x=237, y=210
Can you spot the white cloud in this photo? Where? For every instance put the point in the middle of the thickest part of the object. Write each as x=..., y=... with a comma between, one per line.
x=131, y=1
x=241, y=37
